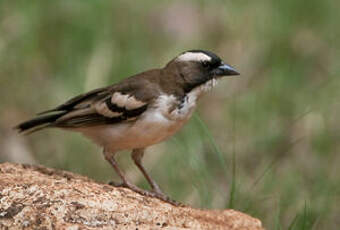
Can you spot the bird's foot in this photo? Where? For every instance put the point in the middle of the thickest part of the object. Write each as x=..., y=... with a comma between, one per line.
x=156, y=190
x=160, y=195
x=155, y=193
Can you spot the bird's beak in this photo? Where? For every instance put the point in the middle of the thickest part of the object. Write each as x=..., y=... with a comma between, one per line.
x=226, y=70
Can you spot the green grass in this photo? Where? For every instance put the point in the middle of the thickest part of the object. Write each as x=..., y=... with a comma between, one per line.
x=265, y=143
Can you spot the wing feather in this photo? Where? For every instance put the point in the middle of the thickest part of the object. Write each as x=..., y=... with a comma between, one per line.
x=120, y=102
x=115, y=107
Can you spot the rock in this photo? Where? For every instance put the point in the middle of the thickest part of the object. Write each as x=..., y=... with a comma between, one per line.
x=35, y=197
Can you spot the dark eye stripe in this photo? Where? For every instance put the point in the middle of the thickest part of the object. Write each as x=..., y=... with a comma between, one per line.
x=210, y=65
x=206, y=64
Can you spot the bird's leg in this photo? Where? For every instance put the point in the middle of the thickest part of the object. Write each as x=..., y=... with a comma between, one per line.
x=137, y=155
x=109, y=156
x=157, y=194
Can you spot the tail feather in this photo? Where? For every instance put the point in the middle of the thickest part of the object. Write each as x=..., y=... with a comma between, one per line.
x=38, y=123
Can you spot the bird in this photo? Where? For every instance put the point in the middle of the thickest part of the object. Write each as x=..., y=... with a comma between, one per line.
x=139, y=111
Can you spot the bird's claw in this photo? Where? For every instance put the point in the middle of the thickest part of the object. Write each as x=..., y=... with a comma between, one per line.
x=155, y=193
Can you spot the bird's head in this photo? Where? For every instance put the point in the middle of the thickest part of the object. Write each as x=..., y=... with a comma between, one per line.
x=198, y=67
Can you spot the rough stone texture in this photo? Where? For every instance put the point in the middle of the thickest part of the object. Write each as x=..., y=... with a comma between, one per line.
x=35, y=197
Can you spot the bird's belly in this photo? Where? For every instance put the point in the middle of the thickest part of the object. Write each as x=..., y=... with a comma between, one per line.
x=150, y=129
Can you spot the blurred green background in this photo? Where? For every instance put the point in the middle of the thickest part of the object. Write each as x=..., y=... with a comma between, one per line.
x=265, y=143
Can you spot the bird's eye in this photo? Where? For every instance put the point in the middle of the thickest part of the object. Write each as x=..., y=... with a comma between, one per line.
x=205, y=64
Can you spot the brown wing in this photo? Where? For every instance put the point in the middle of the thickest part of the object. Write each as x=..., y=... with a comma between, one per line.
x=49, y=118
x=123, y=102
x=76, y=101
x=109, y=110
x=119, y=102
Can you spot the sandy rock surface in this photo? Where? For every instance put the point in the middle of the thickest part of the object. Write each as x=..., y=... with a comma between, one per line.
x=35, y=197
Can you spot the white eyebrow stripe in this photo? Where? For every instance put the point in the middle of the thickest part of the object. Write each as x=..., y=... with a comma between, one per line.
x=191, y=56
